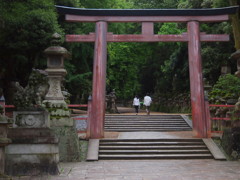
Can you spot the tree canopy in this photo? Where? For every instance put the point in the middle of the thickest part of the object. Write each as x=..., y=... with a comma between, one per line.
x=133, y=68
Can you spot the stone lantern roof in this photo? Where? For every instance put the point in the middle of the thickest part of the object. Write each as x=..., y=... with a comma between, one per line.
x=56, y=49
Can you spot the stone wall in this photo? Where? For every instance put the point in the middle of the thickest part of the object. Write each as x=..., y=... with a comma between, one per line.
x=174, y=103
x=32, y=152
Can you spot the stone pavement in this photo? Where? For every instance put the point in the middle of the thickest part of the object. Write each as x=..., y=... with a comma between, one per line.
x=147, y=170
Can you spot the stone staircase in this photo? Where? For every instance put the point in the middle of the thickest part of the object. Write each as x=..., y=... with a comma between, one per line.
x=131, y=123
x=150, y=147
x=126, y=149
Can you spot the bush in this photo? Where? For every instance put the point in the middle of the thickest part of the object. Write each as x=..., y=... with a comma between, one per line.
x=227, y=87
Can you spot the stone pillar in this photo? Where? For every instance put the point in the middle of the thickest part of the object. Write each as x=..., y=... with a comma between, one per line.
x=89, y=112
x=207, y=88
x=4, y=141
x=54, y=99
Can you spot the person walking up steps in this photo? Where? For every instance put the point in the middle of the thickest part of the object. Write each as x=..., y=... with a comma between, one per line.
x=147, y=102
x=136, y=104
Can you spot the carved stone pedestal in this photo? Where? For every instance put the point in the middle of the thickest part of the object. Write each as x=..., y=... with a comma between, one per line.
x=33, y=152
x=34, y=149
x=31, y=119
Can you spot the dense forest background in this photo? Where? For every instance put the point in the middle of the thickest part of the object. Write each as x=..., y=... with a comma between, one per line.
x=160, y=68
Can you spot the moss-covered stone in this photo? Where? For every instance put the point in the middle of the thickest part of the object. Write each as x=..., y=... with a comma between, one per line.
x=69, y=149
x=83, y=149
x=5, y=177
x=5, y=141
x=231, y=142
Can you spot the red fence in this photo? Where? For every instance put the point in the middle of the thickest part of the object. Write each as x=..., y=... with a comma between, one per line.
x=221, y=116
x=78, y=106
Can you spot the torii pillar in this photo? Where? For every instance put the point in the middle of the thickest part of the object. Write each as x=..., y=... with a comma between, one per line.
x=196, y=80
x=99, y=81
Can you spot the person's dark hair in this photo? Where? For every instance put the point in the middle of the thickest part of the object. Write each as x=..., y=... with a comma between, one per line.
x=136, y=96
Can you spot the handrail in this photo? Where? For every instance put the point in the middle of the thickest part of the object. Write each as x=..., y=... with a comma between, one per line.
x=217, y=123
x=77, y=105
x=219, y=118
x=8, y=106
x=70, y=105
x=220, y=105
x=82, y=118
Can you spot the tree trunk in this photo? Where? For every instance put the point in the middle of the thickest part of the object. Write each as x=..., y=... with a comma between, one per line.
x=236, y=25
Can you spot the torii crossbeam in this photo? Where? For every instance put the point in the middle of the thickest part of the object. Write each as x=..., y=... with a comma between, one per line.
x=147, y=18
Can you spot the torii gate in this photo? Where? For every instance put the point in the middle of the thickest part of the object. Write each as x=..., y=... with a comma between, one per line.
x=147, y=17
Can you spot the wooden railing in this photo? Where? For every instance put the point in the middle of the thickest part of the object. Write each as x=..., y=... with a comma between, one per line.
x=79, y=106
x=220, y=117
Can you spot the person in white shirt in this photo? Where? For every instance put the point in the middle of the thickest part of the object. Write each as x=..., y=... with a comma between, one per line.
x=136, y=104
x=147, y=102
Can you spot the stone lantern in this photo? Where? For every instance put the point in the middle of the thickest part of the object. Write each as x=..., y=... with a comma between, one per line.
x=225, y=69
x=55, y=68
x=207, y=88
x=54, y=99
x=236, y=56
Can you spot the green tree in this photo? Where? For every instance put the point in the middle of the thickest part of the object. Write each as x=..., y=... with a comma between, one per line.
x=124, y=68
x=153, y=4
x=25, y=31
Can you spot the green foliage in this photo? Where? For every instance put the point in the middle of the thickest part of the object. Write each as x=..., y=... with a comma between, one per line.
x=227, y=87
x=25, y=31
x=108, y=4
x=158, y=68
x=221, y=3
x=28, y=26
x=153, y=4
x=124, y=67
x=187, y=4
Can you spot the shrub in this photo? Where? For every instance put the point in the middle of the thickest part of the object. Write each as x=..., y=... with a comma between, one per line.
x=227, y=87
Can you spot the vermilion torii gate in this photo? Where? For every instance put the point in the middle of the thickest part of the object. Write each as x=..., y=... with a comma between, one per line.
x=147, y=18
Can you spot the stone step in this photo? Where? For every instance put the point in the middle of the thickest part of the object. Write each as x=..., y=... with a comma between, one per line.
x=154, y=157
x=150, y=151
x=146, y=130
x=153, y=140
x=147, y=125
x=128, y=129
x=149, y=143
x=145, y=122
x=123, y=149
x=145, y=116
x=152, y=147
x=141, y=119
